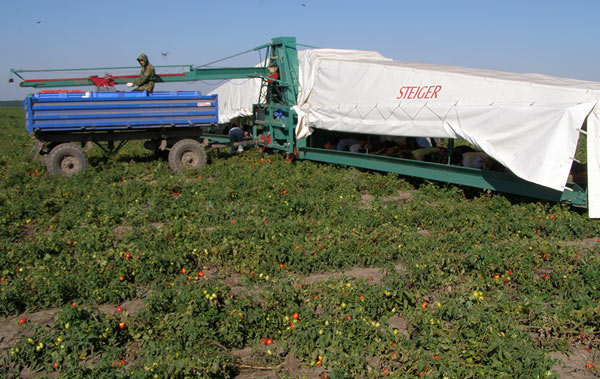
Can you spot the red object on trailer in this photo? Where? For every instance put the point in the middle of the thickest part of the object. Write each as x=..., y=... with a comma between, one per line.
x=61, y=91
x=106, y=81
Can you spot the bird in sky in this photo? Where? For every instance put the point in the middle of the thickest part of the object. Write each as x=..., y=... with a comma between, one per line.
x=164, y=54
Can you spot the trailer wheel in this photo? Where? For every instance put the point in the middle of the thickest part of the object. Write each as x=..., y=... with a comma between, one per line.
x=187, y=153
x=66, y=159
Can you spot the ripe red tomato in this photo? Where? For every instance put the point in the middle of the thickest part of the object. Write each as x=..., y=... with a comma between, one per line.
x=122, y=325
x=269, y=342
x=119, y=309
x=23, y=320
x=183, y=271
x=295, y=316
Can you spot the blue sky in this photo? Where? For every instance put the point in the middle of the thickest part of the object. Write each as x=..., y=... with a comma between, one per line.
x=551, y=37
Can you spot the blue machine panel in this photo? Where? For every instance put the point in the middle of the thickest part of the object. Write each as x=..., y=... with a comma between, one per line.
x=103, y=111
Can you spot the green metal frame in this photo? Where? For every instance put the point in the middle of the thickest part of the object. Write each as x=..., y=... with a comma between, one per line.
x=194, y=74
x=279, y=96
x=485, y=179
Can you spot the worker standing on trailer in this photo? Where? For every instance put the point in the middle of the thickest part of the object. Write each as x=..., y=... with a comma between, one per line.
x=147, y=75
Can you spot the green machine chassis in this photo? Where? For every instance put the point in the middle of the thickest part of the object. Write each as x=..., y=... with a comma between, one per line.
x=271, y=130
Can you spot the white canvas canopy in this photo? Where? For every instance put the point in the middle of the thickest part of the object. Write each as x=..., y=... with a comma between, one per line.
x=236, y=97
x=530, y=123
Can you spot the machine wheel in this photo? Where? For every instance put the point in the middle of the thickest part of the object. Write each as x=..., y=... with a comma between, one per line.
x=66, y=159
x=187, y=153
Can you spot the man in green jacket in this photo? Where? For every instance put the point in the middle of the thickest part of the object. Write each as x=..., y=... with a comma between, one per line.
x=147, y=75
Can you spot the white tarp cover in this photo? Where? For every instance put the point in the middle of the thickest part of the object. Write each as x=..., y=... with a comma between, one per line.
x=528, y=122
x=236, y=98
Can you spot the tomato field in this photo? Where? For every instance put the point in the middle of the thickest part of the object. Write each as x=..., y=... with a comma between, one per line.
x=259, y=267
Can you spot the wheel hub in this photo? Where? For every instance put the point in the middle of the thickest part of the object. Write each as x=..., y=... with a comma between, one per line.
x=189, y=158
x=69, y=165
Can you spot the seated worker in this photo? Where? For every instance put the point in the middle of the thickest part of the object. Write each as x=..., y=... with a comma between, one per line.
x=344, y=144
x=273, y=73
x=390, y=145
x=423, y=142
x=480, y=160
x=431, y=154
x=352, y=145
x=578, y=174
x=358, y=147
x=330, y=145
x=147, y=75
x=457, y=153
x=274, y=88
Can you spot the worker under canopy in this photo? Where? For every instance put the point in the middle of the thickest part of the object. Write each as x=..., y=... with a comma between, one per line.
x=530, y=123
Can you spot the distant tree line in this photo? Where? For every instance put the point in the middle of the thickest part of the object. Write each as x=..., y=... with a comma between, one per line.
x=11, y=103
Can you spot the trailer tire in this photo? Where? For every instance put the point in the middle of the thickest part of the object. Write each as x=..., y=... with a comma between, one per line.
x=66, y=159
x=187, y=153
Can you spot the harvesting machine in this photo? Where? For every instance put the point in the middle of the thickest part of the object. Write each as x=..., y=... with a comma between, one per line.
x=181, y=122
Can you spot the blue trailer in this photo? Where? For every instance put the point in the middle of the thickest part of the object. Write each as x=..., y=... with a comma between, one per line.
x=64, y=121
